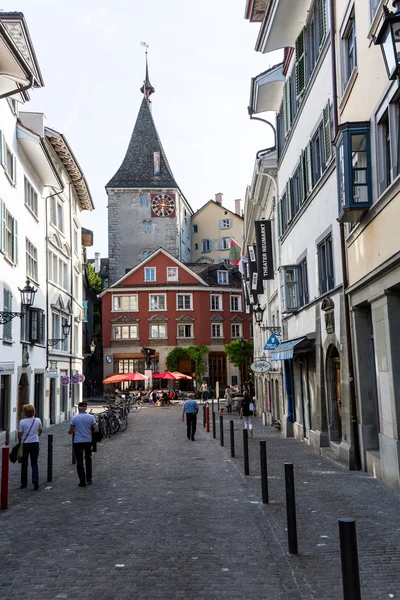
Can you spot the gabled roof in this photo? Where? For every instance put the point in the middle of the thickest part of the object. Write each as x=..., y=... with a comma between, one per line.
x=219, y=206
x=209, y=274
x=140, y=265
x=137, y=168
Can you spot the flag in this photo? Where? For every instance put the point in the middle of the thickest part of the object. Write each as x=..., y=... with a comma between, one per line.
x=242, y=265
x=235, y=252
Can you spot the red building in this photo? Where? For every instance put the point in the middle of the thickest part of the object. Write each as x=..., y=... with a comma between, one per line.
x=163, y=303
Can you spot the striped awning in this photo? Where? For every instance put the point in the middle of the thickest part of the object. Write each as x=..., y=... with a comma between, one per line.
x=285, y=350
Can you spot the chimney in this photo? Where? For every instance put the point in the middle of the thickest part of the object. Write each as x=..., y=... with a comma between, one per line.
x=96, y=262
x=237, y=206
x=218, y=198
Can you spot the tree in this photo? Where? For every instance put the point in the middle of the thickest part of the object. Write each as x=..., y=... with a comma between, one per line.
x=94, y=279
x=240, y=354
x=196, y=355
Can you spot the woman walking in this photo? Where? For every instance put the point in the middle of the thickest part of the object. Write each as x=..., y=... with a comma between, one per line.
x=246, y=412
x=29, y=431
x=228, y=400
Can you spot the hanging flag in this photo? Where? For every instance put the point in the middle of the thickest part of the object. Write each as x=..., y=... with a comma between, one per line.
x=235, y=252
x=256, y=282
x=242, y=265
x=263, y=231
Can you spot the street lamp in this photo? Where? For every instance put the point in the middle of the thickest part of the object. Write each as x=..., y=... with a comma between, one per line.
x=66, y=326
x=388, y=39
x=258, y=315
x=27, y=298
x=92, y=347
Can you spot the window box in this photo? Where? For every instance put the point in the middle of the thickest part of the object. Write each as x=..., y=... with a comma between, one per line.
x=353, y=158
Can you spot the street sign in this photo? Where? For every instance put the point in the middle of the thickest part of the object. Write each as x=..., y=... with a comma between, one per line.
x=75, y=379
x=81, y=378
x=272, y=342
x=64, y=380
x=260, y=366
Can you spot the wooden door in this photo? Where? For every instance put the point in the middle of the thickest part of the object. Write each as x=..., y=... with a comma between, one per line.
x=217, y=369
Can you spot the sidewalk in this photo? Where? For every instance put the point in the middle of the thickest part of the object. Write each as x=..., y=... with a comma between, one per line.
x=174, y=519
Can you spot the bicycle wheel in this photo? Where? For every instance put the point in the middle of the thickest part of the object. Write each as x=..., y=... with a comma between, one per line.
x=123, y=423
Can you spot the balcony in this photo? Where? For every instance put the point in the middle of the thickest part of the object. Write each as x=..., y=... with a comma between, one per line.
x=267, y=90
x=282, y=23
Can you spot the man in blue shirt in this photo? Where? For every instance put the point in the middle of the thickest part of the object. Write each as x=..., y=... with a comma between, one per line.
x=82, y=425
x=191, y=409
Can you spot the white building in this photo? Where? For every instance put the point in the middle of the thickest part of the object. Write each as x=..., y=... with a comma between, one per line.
x=37, y=164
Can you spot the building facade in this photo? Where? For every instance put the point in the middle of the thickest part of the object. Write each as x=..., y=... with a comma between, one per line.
x=213, y=228
x=146, y=208
x=163, y=303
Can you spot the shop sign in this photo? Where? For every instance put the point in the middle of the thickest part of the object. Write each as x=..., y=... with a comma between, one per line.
x=260, y=366
x=7, y=368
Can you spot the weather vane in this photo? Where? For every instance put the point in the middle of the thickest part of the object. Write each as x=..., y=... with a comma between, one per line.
x=145, y=45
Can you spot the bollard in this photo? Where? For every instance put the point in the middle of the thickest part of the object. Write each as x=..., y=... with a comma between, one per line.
x=208, y=417
x=221, y=429
x=246, y=452
x=264, y=419
x=73, y=450
x=50, y=457
x=291, y=509
x=218, y=405
x=204, y=415
x=232, y=432
x=349, y=558
x=214, y=428
x=5, y=470
x=212, y=404
x=264, y=473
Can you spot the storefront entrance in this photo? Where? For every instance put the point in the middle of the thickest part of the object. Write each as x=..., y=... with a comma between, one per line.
x=217, y=369
x=334, y=394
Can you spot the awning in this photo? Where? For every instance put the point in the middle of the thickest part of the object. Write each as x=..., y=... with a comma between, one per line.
x=267, y=90
x=285, y=350
x=38, y=155
x=283, y=21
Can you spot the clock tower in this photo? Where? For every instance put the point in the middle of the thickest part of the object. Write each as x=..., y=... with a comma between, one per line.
x=146, y=208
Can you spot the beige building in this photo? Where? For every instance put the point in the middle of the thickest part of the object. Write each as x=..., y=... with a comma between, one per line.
x=213, y=226
x=367, y=149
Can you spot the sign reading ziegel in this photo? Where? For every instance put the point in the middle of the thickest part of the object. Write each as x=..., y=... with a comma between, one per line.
x=256, y=283
x=264, y=249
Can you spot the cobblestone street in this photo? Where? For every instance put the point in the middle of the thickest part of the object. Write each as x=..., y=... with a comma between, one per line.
x=169, y=518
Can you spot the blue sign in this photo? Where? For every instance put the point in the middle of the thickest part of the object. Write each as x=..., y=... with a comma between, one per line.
x=272, y=342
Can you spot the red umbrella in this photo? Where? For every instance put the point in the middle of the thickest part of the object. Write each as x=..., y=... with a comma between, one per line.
x=135, y=377
x=157, y=376
x=169, y=375
x=115, y=378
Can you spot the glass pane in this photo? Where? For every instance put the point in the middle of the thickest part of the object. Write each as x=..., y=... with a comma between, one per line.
x=291, y=299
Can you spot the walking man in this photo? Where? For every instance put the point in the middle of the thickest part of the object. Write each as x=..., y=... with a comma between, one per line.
x=191, y=408
x=81, y=427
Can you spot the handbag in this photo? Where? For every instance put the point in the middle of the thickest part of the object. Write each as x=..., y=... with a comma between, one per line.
x=251, y=406
x=18, y=450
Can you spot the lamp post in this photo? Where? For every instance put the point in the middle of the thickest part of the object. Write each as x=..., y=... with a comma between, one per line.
x=388, y=39
x=66, y=326
x=258, y=315
x=27, y=298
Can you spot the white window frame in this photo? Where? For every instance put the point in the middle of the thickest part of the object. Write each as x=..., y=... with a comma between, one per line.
x=10, y=164
x=220, y=304
x=132, y=304
x=291, y=289
x=147, y=270
x=158, y=337
x=57, y=213
x=184, y=325
x=10, y=236
x=31, y=197
x=220, y=328
x=173, y=277
x=206, y=246
x=223, y=277
x=226, y=223
x=346, y=38
x=239, y=303
x=157, y=308
x=132, y=330
x=240, y=330
x=31, y=261
x=190, y=296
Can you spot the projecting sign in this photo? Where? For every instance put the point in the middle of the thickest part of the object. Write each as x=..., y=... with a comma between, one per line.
x=264, y=249
x=64, y=380
x=272, y=342
x=260, y=366
x=256, y=283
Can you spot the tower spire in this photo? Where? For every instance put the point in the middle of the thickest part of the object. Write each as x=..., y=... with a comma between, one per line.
x=147, y=89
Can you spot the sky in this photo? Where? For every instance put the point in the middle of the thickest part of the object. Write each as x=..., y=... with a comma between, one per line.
x=201, y=60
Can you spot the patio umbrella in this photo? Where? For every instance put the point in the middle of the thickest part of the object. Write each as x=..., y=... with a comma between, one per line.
x=168, y=375
x=181, y=375
x=134, y=377
x=115, y=378
x=157, y=376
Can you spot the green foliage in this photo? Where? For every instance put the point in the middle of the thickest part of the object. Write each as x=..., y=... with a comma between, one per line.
x=196, y=355
x=239, y=352
x=94, y=279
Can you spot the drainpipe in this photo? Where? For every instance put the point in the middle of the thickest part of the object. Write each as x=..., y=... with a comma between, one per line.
x=355, y=461
x=71, y=289
x=20, y=90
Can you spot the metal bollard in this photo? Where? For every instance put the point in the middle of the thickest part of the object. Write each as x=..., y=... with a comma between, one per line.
x=232, y=432
x=50, y=457
x=264, y=473
x=246, y=452
x=73, y=451
x=208, y=418
x=212, y=404
x=221, y=429
x=5, y=471
x=264, y=419
x=204, y=415
x=214, y=428
x=349, y=558
x=291, y=509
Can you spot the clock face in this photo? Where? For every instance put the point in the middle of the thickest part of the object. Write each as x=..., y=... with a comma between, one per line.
x=163, y=205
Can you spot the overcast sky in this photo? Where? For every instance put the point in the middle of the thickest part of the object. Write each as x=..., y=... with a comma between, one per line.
x=201, y=59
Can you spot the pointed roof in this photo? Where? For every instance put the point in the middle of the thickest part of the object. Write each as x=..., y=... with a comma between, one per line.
x=137, y=168
x=147, y=89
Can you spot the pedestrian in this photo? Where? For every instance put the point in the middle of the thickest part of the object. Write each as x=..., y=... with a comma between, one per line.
x=191, y=408
x=165, y=397
x=228, y=400
x=81, y=427
x=29, y=431
x=246, y=412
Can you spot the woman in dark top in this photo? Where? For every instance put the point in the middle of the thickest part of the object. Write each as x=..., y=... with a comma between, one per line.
x=246, y=412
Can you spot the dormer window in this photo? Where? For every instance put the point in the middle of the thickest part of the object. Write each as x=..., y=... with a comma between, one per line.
x=223, y=277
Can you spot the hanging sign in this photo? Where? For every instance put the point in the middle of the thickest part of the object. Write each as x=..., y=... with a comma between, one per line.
x=256, y=282
x=272, y=342
x=265, y=261
x=77, y=378
x=260, y=366
x=64, y=380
